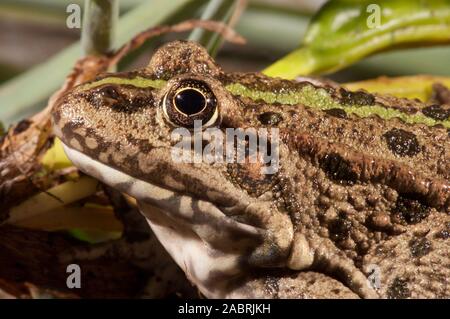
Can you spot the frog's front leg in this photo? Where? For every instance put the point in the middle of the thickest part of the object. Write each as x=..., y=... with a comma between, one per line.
x=212, y=249
x=222, y=262
x=219, y=272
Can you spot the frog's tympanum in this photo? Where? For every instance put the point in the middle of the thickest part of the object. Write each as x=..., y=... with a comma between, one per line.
x=357, y=207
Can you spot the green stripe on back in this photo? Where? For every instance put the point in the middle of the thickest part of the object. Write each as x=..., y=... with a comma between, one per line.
x=320, y=99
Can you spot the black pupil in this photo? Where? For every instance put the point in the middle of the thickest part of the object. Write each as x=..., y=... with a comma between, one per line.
x=190, y=101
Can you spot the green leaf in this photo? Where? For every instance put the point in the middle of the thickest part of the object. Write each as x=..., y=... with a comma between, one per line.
x=94, y=236
x=345, y=31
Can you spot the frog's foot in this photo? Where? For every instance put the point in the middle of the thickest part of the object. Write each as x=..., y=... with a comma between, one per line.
x=312, y=252
x=286, y=284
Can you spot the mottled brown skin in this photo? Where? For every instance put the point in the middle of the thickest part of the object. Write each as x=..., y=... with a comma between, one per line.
x=358, y=191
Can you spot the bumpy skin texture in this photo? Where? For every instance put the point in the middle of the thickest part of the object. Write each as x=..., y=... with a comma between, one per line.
x=357, y=195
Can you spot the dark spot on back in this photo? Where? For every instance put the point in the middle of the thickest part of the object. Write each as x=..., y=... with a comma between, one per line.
x=436, y=112
x=22, y=126
x=401, y=142
x=356, y=98
x=444, y=233
x=336, y=113
x=340, y=227
x=410, y=211
x=337, y=168
x=419, y=247
x=398, y=289
x=270, y=118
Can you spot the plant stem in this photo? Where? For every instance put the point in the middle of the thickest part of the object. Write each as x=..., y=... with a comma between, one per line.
x=99, y=26
x=219, y=10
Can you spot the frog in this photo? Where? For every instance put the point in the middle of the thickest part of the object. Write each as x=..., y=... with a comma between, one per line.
x=357, y=207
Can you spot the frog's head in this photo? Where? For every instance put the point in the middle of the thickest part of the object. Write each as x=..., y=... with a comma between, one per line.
x=120, y=128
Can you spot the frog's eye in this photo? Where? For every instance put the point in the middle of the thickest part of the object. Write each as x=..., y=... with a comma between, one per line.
x=188, y=101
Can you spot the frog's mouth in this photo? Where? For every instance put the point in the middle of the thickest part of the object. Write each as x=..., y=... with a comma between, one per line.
x=208, y=245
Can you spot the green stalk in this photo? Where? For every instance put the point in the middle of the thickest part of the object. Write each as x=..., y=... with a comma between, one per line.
x=218, y=10
x=99, y=26
x=212, y=9
x=343, y=33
